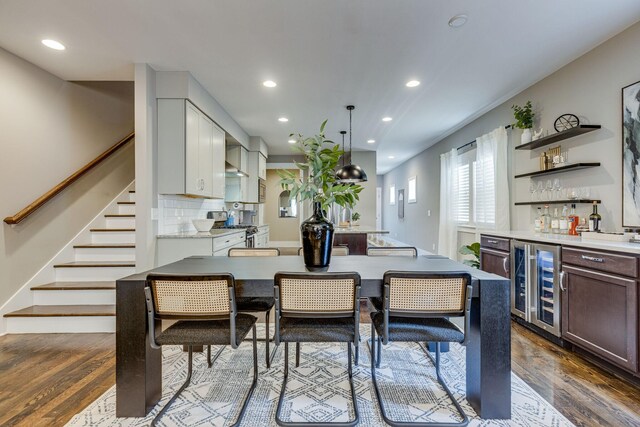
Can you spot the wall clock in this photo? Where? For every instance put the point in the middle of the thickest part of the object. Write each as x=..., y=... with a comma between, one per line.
x=566, y=122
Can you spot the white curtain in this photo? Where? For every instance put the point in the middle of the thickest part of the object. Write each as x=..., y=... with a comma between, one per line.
x=492, y=182
x=448, y=232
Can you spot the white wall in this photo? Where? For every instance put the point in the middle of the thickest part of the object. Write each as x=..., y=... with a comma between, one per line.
x=589, y=87
x=50, y=129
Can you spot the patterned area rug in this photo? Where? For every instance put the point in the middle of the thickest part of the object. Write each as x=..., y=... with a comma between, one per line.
x=318, y=391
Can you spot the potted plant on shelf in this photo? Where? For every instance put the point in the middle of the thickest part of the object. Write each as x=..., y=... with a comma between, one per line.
x=320, y=185
x=354, y=219
x=524, y=120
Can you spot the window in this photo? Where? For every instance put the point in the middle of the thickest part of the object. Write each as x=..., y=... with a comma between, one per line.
x=476, y=199
x=392, y=195
x=412, y=196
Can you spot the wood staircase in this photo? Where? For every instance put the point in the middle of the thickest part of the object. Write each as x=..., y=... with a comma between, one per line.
x=82, y=298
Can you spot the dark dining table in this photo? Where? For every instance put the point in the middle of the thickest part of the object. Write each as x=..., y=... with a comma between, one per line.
x=488, y=351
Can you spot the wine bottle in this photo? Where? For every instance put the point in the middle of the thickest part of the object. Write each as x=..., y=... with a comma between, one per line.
x=545, y=225
x=538, y=221
x=555, y=222
x=564, y=221
x=595, y=219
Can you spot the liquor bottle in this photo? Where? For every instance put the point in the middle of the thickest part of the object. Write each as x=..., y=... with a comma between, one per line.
x=573, y=221
x=582, y=227
x=595, y=219
x=538, y=221
x=545, y=225
x=555, y=222
x=564, y=221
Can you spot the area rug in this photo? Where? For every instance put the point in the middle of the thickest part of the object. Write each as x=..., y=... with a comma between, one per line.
x=318, y=391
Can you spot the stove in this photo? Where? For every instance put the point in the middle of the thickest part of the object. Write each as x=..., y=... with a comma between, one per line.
x=221, y=217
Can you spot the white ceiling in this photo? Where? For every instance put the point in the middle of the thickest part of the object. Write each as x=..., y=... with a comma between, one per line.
x=324, y=55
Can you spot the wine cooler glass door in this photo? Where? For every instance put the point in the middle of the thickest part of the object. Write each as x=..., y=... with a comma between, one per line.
x=519, y=256
x=546, y=297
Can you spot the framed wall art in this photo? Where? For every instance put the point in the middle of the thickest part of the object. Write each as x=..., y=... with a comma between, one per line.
x=631, y=156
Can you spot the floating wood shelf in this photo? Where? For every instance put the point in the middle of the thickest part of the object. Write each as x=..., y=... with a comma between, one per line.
x=574, y=166
x=556, y=137
x=558, y=202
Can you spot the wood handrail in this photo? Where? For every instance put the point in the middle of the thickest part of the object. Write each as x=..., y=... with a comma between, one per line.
x=36, y=204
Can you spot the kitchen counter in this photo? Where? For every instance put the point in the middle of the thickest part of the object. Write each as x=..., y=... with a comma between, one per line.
x=202, y=235
x=358, y=230
x=565, y=240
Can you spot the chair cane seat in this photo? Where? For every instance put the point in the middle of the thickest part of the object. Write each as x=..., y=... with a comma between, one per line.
x=418, y=329
x=255, y=304
x=206, y=332
x=296, y=329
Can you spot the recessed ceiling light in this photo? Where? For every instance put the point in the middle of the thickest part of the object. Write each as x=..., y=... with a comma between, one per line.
x=413, y=83
x=371, y=141
x=269, y=83
x=283, y=119
x=392, y=157
x=292, y=141
x=386, y=119
x=458, y=21
x=56, y=45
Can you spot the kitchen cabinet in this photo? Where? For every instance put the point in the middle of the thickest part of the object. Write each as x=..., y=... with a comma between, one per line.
x=175, y=249
x=600, y=307
x=495, y=255
x=221, y=245
x=495, y=262
x=237, y=189
x=261, y=239
x=191, y=151
x=356, y=242
x=257, y=170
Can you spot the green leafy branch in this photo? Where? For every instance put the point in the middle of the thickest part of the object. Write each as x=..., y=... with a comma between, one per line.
x=319, y=184
x=523, y=115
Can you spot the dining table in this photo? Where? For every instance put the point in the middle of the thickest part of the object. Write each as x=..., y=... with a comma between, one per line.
x=488, y=348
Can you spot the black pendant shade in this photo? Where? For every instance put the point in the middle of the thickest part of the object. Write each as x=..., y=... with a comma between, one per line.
x=350, y=173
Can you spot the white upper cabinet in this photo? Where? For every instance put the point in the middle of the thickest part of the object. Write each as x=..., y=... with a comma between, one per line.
x=191, y=151
x=262, y=166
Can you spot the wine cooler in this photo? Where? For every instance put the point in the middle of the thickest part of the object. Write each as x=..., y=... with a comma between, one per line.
x=535, y=281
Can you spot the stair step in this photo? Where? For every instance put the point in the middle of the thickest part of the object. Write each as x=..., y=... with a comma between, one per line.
x=113, y=230
x=95, y=264
x=64, y=311
x=106, y=246
x=119, y=216
x=76, y=286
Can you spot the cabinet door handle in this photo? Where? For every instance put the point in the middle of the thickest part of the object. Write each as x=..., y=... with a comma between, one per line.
x=592, y=258
x=492, y=241
x=504, y=265
x=562, y=287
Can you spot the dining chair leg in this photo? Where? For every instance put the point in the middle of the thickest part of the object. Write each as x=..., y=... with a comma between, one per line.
x=297, y=354
x=266, y=340
x=175, y=396
x=245, y=403
x=383, y=412
x=282, y=423
x=379, y=355
x=211, y=361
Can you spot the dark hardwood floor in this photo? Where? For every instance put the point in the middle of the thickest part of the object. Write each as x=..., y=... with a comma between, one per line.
x=46, y=379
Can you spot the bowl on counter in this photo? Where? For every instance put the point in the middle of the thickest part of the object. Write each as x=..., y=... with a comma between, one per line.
x=203, y=225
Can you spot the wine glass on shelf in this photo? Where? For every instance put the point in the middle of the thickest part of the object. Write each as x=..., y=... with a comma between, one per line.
x=549, y=188
x=540, y=189
x=556, y=188
x=532, y=189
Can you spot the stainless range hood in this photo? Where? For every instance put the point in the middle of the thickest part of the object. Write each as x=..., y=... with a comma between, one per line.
x=236, y=162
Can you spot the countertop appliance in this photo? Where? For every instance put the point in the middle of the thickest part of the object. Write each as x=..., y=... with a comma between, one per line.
x=221, y=217
x=535, y=284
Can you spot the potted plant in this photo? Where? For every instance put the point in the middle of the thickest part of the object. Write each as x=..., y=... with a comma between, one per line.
x=524, y=120
x=474, y=250
x=319, y=185
x=355, y=218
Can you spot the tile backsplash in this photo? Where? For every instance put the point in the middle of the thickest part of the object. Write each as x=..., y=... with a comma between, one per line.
x=176, y=212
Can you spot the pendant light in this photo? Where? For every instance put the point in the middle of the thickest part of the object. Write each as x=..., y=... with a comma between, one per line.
x=350, y=173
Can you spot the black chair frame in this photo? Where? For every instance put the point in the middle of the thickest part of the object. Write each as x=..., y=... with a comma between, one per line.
x=279, y=314
x=384, y=339
x=153, y=316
